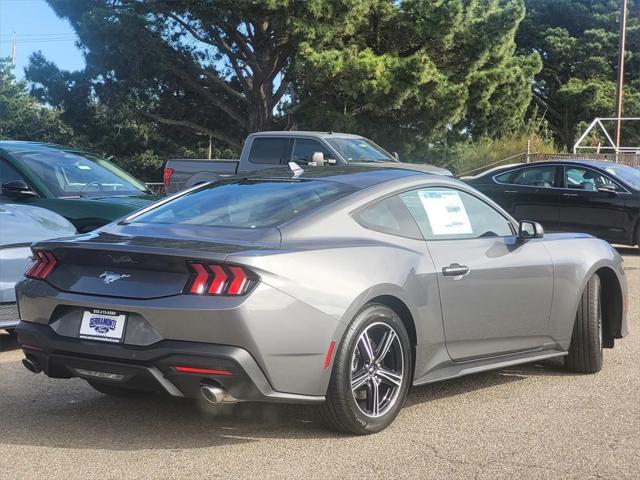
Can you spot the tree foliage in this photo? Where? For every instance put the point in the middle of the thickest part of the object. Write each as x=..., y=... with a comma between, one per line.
x=21, y=116
x=578, y=42
x=407, y=73
x=416, y=72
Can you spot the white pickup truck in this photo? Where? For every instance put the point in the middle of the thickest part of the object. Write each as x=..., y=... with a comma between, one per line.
x=273, y=149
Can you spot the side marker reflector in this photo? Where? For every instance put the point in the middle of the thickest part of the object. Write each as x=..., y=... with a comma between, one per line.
x=327, y=360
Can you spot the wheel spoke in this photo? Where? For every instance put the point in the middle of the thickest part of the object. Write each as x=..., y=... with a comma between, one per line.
x=389, y=377
x=373, y=397
x=359, y=380
x=386, y=343
x=365, y=342
x=377, y=369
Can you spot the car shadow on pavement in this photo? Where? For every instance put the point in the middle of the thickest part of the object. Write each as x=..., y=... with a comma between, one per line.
x=69, y=414
x=7, y=342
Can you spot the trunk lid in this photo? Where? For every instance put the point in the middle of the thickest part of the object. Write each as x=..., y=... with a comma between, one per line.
x=144, y=262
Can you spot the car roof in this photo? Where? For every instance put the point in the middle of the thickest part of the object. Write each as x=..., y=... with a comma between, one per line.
x=298, y=133
x=585, y=162
x=358, y=177
x=17, y=146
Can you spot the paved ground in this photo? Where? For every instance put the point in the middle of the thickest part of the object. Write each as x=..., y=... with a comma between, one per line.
x=527, y=422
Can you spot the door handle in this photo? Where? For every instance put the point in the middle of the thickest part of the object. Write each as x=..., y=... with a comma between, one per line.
x=510, y=191
x=455, y=270
x=570, y=195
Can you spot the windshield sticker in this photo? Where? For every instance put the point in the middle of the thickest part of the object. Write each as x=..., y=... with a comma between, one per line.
x=446, y=212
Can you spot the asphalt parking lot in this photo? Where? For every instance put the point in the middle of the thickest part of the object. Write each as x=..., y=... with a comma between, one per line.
x=535, y=421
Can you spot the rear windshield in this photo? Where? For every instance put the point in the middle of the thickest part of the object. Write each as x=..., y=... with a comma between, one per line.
x=246, y=203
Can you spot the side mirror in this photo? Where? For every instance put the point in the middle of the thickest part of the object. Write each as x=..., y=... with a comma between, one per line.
x=317, y=159
x=17, y=188
x=396, y=156
x=528, y=230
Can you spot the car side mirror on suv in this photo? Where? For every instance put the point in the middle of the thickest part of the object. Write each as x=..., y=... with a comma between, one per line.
x=318, y=160
x=17, y=188
x=528, y=230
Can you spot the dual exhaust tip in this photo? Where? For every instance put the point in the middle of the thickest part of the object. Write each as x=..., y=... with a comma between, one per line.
x=31, y=365
x=211, y=393
x=216, y=394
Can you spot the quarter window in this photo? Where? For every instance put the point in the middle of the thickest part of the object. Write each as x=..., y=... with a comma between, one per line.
x=446, y=213
x=389, y=216
x=539, y=176
x=267, y=150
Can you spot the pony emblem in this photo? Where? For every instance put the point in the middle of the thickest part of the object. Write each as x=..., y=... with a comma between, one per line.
x=110, y=277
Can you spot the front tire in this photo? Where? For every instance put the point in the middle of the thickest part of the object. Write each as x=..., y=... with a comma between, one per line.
x=585, y=350
x=119, y=392
x=371, y=373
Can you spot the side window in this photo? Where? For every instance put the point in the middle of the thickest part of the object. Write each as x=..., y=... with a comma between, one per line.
x=506, y=177
x=8, y=172
x=447, y=214
x=267, y=150
x=389, y=216
x=541, y=176
x=578, y=178
x=303, y=148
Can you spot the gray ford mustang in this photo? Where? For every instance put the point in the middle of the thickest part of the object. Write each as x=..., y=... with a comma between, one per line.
x=337, y=287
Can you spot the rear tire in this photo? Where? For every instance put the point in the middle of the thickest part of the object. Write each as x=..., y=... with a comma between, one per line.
x=585, y=350
x=374, y=356
x=119, y=392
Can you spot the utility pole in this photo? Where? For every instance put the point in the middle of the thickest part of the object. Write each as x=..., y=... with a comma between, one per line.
x=210, y=141
x=13, y=51
x=620, y=83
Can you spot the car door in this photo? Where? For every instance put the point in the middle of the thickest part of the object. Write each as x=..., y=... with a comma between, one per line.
x=304, y=148
x=267, y=152
x=495, y=290
x=594, y=203
x=530, y=193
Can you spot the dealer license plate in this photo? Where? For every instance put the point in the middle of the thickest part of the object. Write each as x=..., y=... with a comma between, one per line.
x=103, y=325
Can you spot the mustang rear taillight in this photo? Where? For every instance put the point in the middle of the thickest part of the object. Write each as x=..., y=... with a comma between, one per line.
x=44, y=264
x=217, y=279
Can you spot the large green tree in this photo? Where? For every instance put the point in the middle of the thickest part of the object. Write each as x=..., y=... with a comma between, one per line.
x=21, y=116
x=408, y=72
x=415, y=72
x=578, y=42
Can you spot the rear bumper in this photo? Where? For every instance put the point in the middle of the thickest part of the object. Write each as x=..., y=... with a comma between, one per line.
x=288, y=339
x=9, y=317
x=152, y=368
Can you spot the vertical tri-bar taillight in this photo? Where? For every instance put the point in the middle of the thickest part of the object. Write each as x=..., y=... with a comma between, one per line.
x=43, y=265
x=219, y=279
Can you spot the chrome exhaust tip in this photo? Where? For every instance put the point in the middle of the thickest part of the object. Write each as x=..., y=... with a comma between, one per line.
x=31, y=365
x=216, y=394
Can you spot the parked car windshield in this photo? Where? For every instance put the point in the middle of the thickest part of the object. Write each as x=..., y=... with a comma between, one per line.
x=245, y=203
x=360, y=150
x=629, y=175
x=71, y=174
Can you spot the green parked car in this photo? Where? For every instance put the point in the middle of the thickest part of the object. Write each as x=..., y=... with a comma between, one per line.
x=85, y=189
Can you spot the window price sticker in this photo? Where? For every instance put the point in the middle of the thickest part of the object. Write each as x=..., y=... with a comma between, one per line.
x=446, y=212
